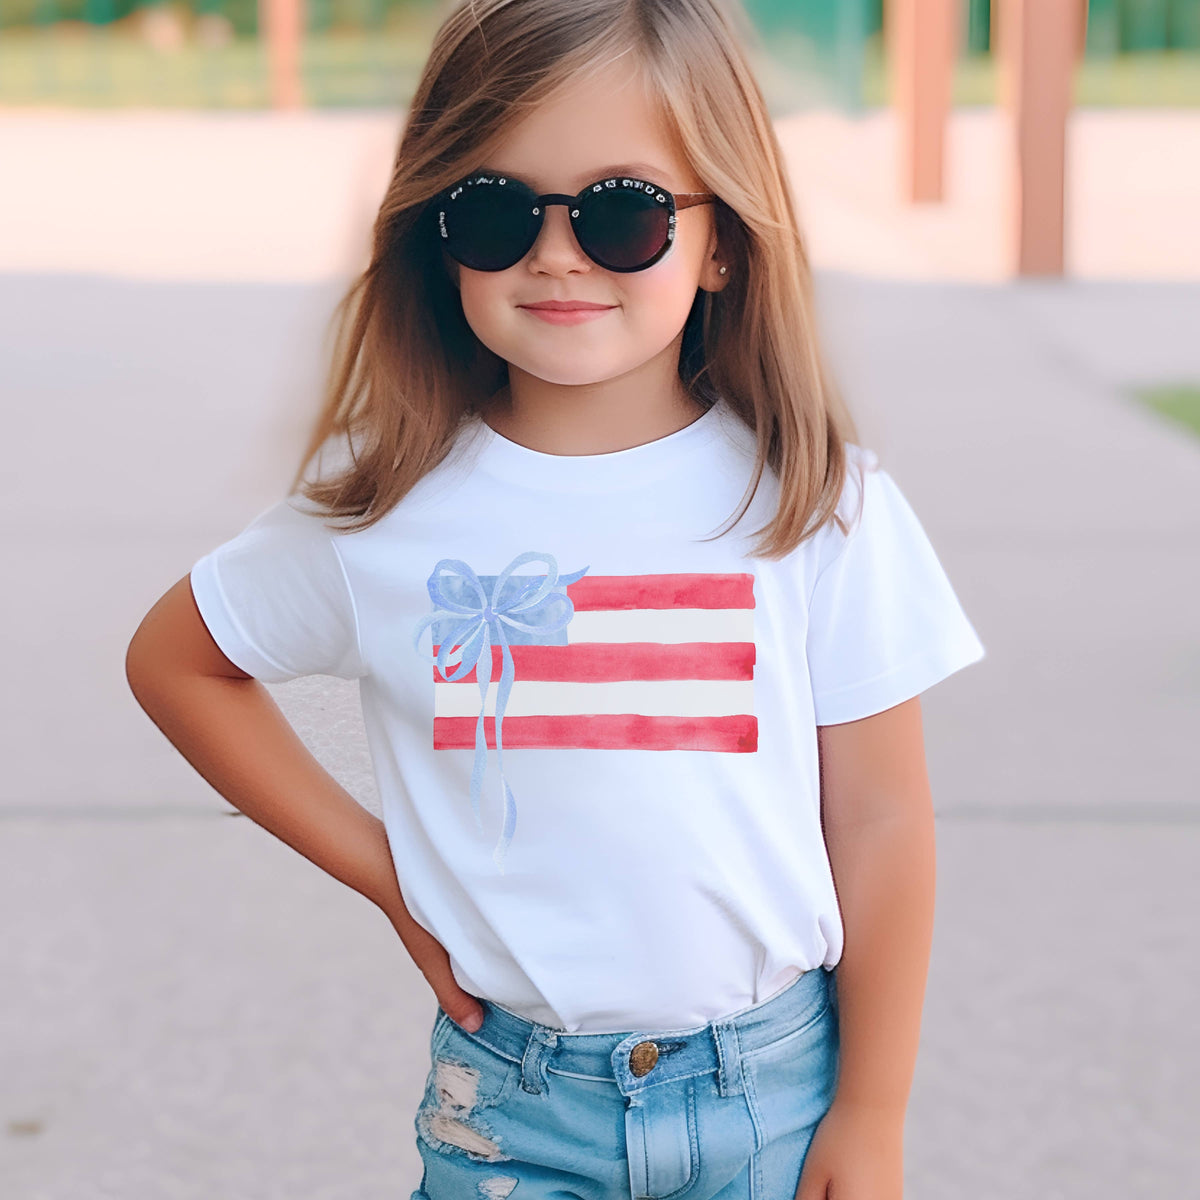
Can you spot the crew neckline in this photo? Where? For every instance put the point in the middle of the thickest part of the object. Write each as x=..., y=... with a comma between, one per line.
x=631, y=467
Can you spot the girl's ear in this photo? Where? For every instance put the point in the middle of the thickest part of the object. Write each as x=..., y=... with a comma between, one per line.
x=714, y=275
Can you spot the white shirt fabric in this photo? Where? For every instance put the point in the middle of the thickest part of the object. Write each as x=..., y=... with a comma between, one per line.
x=643, y=849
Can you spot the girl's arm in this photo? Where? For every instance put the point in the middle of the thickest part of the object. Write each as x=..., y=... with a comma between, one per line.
x=877, y=814
x=225, y=723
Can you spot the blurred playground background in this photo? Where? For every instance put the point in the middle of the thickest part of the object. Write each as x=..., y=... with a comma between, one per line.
x=212, y=53
x=252, y=139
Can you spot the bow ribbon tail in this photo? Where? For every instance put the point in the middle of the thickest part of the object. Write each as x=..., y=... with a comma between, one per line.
x=483, y=676
x=507, y=673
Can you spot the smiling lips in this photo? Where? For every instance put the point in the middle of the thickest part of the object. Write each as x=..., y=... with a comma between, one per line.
x=565, y=305
x=567, y=312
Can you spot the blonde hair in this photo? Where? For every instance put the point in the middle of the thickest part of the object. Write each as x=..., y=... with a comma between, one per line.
x=407, y=370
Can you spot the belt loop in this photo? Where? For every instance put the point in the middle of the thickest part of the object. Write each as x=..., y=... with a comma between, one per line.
x=542, y=1043
x=729, y=1058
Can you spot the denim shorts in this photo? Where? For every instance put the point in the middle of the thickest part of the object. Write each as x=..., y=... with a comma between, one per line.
x=721, y=1111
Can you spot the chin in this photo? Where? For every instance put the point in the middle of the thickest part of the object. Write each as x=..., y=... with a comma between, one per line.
x=570, y=379
x=568, y=374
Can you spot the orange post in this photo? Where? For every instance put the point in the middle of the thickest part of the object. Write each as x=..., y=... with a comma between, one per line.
x=922, y=42
x=1040, y=42
x=281, y=23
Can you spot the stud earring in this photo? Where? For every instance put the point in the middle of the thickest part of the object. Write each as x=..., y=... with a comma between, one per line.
x=722, y=271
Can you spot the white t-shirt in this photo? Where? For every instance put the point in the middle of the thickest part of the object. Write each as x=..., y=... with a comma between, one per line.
x=631, y=837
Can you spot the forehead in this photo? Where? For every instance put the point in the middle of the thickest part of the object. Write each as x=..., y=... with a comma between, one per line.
x=652, y=172
x=605, y=124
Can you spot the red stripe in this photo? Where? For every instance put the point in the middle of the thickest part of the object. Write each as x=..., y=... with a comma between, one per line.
x=596, y=592
x=611, y=662
x=616, y=731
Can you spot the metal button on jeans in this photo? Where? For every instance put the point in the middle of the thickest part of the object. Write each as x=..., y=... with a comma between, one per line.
x=642, y=1058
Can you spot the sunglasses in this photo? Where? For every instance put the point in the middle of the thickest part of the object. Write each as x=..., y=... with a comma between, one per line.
x=490, y=222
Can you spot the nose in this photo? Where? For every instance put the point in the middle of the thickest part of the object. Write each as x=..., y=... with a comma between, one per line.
x=556, y=248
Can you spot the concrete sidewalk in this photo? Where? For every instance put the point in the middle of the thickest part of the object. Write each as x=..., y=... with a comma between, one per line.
x=194, y=1011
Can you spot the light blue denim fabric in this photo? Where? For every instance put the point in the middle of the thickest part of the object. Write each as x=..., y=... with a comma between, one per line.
x=725, y=1112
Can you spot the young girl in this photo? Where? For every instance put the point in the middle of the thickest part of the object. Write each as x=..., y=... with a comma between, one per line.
x=639, y=626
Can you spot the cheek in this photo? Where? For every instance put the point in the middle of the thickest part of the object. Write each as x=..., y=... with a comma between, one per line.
x=665, y=289
x=478, y=301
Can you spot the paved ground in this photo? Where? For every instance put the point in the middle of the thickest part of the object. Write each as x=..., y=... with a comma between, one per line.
x=193, y=1011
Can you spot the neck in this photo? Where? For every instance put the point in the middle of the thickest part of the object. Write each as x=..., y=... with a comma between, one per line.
x=597, y=418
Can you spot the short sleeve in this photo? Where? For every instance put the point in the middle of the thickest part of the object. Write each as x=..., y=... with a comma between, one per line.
x=277, y=600
x=884, y=622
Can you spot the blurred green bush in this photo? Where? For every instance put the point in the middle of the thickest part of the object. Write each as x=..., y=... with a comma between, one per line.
x=242, y=14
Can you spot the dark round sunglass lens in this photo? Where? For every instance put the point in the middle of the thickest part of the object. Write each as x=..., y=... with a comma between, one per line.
x=488, y=226
x=622, y=228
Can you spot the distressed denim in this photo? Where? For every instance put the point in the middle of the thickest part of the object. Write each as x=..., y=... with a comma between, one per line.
x=721, y=1111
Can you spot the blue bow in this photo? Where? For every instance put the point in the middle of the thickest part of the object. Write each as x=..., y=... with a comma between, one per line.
x=484, y=623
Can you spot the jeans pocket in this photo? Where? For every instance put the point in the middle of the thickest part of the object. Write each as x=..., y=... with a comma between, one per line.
x=790, y=1082
x=465, y=1079
x=439, y=1025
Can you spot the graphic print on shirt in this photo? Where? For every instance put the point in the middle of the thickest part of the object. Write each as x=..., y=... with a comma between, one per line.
x=599, y=662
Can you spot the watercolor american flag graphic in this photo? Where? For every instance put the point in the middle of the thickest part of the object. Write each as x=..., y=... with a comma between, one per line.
x=645, y=662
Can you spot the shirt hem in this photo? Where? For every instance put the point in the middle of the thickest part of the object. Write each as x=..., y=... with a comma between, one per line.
x=885, y=691
x=224, y=627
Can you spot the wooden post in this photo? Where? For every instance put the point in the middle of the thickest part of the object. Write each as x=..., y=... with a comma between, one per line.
x=281, y=23
x=1039, y=44
x=922, y=40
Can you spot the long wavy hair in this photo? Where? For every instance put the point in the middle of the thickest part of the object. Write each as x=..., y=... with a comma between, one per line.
x=407, y=370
